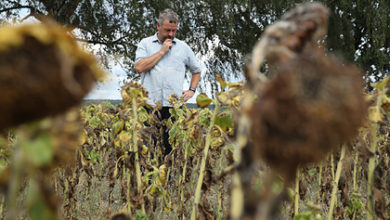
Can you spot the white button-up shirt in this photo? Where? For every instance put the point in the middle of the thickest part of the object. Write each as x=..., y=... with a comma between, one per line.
x=167, y=76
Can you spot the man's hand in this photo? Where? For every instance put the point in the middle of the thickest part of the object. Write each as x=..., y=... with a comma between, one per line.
x=187, y=95
x=166, y=46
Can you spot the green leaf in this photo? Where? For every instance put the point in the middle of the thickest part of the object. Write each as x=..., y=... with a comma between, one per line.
x=216, y=142
x=176, y=112
x=140, y=215
x=39, y=150
x=93, y=156
x=3, y=165
x=221, y=81
x=224, y=122
x=107, y=105
x=312, y=172
x=95, y=122
x=118, y=126
x=143, y=115
x=124, y=136
x=235, y=85
x=382, y=84
x=173, y=133
x=202, y=100
x=302, y=216
x=204, y=117
x=37, y=206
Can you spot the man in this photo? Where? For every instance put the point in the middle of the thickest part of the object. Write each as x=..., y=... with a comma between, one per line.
x=162, y=59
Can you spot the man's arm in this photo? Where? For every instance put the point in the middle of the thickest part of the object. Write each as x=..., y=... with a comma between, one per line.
x=148, y=63
x=187, y=94
x=195, y=80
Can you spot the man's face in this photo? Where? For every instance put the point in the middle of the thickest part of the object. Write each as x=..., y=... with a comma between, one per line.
x=166, y=30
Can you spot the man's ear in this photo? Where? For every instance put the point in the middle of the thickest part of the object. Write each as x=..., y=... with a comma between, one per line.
x=158, y=25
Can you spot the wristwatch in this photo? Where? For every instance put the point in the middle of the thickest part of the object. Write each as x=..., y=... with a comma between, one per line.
x=192, y=89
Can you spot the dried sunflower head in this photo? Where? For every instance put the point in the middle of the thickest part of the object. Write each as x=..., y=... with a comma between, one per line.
x=313, y=104
x=134, y=90
x=174, y=100
x=43, y=72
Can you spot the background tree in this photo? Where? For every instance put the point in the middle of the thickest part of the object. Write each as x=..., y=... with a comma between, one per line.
x=222, y=32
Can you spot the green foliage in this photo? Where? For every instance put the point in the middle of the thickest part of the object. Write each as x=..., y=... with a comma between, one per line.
x=203, y=101
x=308, y=216
x=312, y=172
x=104, y=173
x=139, y=215
x=39, y=149
x=361, y=39
x=224, y=121
x=356, y=207
x=229, y=29
x=39, y=208
x=93, y=156
x=3, y=165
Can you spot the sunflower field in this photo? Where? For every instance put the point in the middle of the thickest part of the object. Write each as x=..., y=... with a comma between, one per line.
x=303, y=142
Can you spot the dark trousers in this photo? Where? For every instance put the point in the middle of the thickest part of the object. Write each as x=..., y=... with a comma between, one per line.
x=163, y=114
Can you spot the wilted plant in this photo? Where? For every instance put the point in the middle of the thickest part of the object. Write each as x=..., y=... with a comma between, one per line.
x=120, y=168
x=311, y=104
x=43, y=72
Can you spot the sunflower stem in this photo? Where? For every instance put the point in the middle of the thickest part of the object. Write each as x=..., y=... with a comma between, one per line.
x=371, y=168
x=296, y=203
x=135, y=147
x=355, y=164
x=336, y=183
x=203, y=163
x=319, y=181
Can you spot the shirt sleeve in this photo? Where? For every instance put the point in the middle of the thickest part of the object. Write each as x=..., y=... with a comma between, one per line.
x=192, y=63
x=141, y=52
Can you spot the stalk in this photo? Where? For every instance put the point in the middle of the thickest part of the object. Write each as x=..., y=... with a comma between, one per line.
x=237, y=193
x=355, y=164
x=184, y=173
x=128, y=188
x=219, y=210
x=135, y=145
x=171, y=169
x=336, y=183
x=1, y=206
x=68, y=211
x=296, y=204
x=371, y=167
x=14, y=183
x=203, y=163
x=237, y=199
x=332, y=165
x=319, y=181
x=182, y=180
x=332, y=170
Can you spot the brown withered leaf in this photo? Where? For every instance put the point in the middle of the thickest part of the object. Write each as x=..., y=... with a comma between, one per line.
x=120, y=216
x=380, y=202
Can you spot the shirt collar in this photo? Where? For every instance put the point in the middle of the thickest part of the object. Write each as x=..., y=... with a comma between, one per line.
x=155, y=39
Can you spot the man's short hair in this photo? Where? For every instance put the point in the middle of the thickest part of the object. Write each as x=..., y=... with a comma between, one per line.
x=168, y=14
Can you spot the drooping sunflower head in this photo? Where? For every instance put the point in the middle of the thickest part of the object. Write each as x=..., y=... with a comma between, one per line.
x=43, y=71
